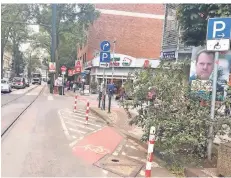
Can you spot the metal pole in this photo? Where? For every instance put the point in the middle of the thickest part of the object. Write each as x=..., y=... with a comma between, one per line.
x=63, y=85
x=109, y=102
x=104, y=90
x=113, y=55
x=53, y=44
x=213, y=102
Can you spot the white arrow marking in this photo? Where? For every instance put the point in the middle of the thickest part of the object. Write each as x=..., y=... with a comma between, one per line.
x=222, y=35
x=106, y=44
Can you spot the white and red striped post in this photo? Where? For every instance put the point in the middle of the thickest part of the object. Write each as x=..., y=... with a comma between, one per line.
x=150, y=156
x=75, y=105
x=87, y=111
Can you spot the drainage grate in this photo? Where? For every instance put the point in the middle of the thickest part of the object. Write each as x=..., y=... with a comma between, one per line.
x=120, y=165
x=115, y=160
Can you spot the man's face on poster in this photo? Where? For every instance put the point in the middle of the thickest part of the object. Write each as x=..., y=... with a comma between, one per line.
x=204, y=65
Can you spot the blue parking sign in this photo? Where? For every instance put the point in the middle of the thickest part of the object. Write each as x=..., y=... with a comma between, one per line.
x=219, y=28
x=105, y=57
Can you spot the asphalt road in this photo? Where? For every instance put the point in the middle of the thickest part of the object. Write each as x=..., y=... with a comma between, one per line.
x=36, y=145
x=16, y=93
x=16, y=103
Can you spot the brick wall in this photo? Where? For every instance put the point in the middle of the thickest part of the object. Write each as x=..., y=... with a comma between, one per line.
x=135, y=36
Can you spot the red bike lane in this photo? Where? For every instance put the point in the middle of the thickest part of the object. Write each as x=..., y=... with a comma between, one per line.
x=96, y=145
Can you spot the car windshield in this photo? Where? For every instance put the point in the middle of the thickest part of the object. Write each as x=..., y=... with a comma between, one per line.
x=3, y=81
x=17, y=79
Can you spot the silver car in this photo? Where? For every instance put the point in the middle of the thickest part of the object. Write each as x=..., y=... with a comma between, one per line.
x=5, y=86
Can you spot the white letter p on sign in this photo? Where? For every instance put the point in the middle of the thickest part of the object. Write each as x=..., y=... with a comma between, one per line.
x=215, y=29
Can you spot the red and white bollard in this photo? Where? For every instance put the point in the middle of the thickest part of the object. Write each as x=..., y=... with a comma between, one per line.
x=75, y=105
x=150, y=156
x=87, y=111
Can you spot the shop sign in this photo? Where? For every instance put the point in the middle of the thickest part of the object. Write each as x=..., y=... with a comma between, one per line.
x=126, y=62
x=77, y=66
x=116, y=62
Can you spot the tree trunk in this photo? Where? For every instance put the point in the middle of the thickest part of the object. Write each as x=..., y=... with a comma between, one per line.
x=2, y=61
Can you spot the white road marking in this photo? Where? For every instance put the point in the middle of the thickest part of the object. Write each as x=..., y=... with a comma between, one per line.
x=74, y=114
x=123, y=153
x=74, y=142
x=77, y=112
x=127, y=145
x=74, y=137
x=82, y=121
x=133, y=147
x=74, y=130
x=134, y=157
x=78, y=125
x=63, y=125
x=50, y=98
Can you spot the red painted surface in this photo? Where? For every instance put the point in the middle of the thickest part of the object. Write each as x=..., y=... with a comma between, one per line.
x=106, y=138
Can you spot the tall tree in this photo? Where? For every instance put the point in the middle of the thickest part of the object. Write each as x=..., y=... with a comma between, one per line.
x=193, y=20
x=13, y=29
x=71, y=25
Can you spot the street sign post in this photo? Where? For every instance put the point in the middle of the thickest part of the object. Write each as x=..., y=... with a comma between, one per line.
x=105, y=46
x=105, y=58
x=218, y=34
x=218, y=39
x=52, y=67
x=63, y=70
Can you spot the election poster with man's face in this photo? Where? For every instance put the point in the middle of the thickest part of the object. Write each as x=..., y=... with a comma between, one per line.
x=202, y=71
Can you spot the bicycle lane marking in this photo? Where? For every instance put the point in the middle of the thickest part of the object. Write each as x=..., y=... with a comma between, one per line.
x=96, y=145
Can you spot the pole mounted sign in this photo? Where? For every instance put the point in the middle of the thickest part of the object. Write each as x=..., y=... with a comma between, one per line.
x=218, y=39
x=105, y=55
x=63, y=69
x=218, y=34
x=52, y=67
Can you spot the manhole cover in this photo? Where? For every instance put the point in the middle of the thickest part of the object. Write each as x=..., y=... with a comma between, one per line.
x=120, y=165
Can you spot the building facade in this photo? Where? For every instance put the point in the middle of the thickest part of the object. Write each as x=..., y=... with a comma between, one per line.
x=7, y=62
x=172, y=47
x=136, y=30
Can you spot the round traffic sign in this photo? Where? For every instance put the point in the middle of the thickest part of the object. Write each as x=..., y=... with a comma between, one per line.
x=105, y=46
x=63, y=68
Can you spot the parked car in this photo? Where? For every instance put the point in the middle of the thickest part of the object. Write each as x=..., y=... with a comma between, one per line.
x=5, y=86
x=27, y=82
x=19, y=82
